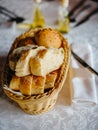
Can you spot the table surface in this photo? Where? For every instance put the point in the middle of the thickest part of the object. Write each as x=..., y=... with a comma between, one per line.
x=61, y=117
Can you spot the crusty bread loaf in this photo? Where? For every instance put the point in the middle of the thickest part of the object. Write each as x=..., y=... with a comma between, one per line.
x=47, y=61
x=48, y=38
x=22, y=66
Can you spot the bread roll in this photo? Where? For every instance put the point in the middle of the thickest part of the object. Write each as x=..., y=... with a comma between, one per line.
x=26, y=41
x=22, y=66
x=14, y=83
x=47, y=61
x=48, y=38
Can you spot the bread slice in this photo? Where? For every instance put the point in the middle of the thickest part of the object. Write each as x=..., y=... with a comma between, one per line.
x=22, y=66
x=25, y=86
x=38, y=84
x=50, y=80
x=47, y=61
x=28, y=85
x=16, y=54
x=14, y=83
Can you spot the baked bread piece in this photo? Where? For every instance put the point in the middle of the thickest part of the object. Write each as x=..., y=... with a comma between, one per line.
x=25, y=85
x=26, y=41
x=28, y=85
x=47, y=61
x=16, y=54
x=38, y=84
x=48, y=38
x=14, y=83
x=22, y=66
x=50, y=80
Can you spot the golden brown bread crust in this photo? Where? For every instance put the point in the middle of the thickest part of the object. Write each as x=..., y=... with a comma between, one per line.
x=28, y=85
x=50, y=80
x=14, y=83
x=26, y=41
x=32, y=85
x=48, y=38
x=25, y=85
x=38, y=84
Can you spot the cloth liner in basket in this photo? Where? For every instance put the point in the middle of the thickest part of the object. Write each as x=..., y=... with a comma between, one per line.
x=36, y=104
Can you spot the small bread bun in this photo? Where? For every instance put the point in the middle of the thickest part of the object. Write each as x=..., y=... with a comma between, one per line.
x=26, y=41
x=48, y=38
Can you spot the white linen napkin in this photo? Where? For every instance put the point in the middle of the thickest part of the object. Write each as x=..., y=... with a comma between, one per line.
x=82, y=80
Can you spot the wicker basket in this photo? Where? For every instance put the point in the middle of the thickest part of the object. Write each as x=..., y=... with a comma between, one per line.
x=37, y=104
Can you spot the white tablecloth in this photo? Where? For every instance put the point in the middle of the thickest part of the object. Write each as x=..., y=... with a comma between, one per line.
x=61, y=117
